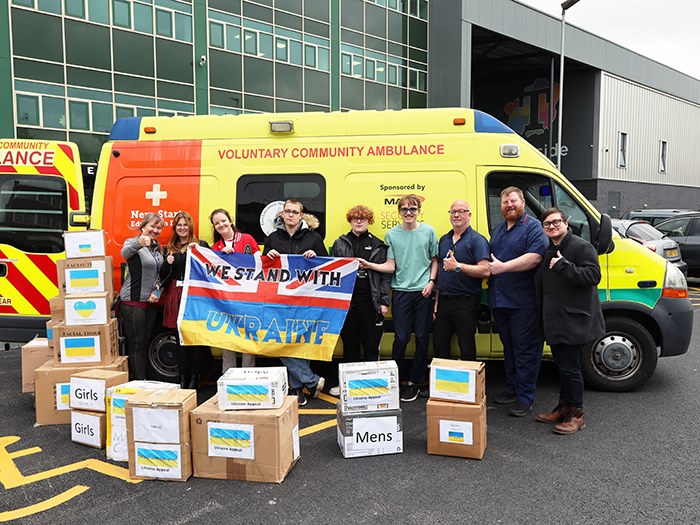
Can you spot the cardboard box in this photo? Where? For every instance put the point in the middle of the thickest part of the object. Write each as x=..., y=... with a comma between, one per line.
x=52, y=384
x=249, y=388
x=88, y=309
x=158, y=433
x=34, y=354
x=58, y=309
x=370, y=433
x=248, y=445
x=456, y=429
x=367, y=387
x=88, y=388
x=85, y=275
x=88, y=428
x=458, y=381
x=90, y=243
x=115, y=399
x=50, y=325
x=86, y=345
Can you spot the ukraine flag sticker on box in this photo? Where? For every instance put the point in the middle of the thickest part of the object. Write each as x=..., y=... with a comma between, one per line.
x=459, y=381
x=90, y=243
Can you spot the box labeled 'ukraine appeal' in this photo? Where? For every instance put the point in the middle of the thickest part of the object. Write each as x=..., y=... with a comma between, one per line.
x=370, y=386
x=458, y=381
x=249, y=388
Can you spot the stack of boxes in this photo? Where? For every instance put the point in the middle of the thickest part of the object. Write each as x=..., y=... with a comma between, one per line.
x=158, y=433
x=34, y=354
x=456, y=410
x=368, y=414
x=250, y=430
x=88, y=404
x=81, y=332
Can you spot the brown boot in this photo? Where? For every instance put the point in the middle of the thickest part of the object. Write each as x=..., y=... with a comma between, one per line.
x=557, y=415
x=572, y=423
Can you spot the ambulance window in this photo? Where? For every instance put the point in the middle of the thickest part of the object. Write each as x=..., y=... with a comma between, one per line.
x=579, y=222
x=33, y=213
x=536, y=189
x=255, y=192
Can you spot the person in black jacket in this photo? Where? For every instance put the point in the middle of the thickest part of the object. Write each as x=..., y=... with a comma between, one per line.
x=296, y=236
x=570, y=314
x=172, y=273
x=364, y=324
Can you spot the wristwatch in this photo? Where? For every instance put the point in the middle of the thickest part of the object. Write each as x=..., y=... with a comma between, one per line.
x=458, y=268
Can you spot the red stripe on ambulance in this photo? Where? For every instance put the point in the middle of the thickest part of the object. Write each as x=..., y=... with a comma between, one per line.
x=46, y=265
x=26, y=288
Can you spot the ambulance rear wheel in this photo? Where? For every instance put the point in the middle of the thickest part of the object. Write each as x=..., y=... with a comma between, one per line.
x=623, y=359
x=162, y=357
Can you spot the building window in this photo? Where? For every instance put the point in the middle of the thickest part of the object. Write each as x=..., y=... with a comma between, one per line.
x=164, y=23
x=663, y=152
x=121, y=13
x=622, y=151
x=98, y=11
x=28, y=110
x=216, y=35
x=75, y=8
x=79, y=115
x=54, y=110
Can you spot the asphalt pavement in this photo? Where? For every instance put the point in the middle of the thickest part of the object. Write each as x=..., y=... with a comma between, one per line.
x=637, y=462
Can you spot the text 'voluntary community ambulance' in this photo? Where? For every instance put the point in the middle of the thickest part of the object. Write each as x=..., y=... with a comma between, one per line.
x=41, y=196
x=249, y=164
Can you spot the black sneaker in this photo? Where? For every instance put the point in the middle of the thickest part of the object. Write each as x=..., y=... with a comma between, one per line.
x=520, y=410
x=504, y=398
x=301, y=397
x=410, y=393
x=314, y=390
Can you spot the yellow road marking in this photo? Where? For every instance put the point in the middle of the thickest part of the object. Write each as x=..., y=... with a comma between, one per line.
x=327, y=398
x=316, y=428
x=50, y=503
x=321, y=411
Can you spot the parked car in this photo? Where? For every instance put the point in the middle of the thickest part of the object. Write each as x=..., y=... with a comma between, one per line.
x=685, y=230
x=655, y=216
x=655, y=240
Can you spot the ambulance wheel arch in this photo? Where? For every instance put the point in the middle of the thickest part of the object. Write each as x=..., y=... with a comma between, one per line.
x=623, y=359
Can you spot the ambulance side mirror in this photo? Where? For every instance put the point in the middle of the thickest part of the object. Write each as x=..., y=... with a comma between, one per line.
x=603, y=241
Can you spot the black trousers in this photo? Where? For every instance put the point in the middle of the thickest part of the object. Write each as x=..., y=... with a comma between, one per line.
x=138, y=326
x=411, y=312
x=568, y=361
x=456, y=315
x=363, y=329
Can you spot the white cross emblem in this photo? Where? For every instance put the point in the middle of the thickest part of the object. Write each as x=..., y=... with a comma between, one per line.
x=155, y=195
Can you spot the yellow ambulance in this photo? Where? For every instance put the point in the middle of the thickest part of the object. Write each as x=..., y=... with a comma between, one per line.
x=41, y=196
x=249, y=164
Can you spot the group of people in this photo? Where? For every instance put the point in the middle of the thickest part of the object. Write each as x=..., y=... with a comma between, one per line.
x=542, y=285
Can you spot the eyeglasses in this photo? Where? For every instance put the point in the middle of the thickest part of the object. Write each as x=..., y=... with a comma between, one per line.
x=553, y=223
x=458, y=212
x=291, y=212
x=358, y=219
x=412, y=210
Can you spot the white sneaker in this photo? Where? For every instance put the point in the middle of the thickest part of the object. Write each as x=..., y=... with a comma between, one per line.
x=314, y=391
x=335, y=391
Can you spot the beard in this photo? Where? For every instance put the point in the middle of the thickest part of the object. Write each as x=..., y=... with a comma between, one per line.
x=512, y=214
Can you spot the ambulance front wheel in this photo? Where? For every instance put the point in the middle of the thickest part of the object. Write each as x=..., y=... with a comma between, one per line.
x=623, y=359
x=162, y=357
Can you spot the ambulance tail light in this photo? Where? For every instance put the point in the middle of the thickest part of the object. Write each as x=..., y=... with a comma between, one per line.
x=675, y=285
x=281, y=126
x=149, y=130
x=510, y=151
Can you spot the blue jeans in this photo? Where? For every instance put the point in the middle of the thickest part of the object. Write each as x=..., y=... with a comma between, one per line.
x=299, y=372
x=522, y=351
x=411, y=312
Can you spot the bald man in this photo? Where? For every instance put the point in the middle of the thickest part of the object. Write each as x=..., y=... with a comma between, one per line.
x=463, y=263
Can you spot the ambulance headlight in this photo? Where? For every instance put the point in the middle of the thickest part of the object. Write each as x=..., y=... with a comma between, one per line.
x=510, y=151
x=281, y=126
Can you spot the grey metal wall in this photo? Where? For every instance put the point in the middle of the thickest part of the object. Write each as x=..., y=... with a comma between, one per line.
x=648, y=117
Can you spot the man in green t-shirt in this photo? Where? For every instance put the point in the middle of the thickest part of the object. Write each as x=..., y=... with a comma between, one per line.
x=412, y=258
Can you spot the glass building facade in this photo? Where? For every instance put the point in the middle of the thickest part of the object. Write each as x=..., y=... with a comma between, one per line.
x=77, y=65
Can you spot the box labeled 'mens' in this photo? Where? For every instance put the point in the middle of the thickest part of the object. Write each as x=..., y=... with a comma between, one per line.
x=85, y=345
x=249, y=445
x=456, y=429
x=88, y=388
x=88, y=428
x=34, y=354
x=458, y=381
x=370, y=386
x=90, y=243
x=84, y=275
x=249, y=388
x=370, y=433
x=88, y=309
x=52, y=385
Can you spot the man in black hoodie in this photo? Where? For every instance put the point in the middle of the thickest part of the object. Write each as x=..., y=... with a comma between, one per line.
x=297, y=237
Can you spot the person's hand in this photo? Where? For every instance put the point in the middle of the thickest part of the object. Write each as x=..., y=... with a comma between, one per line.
x=309, y=253
x=273, y=254
x=144, y=240
x=428, y=289
x=229, y=249
x=170, y=258
x=192, y=245
x=554, y=260
x=364, y=263
x=153, y=298
x=496, y=267
x=384, y=309
x=449, y=263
